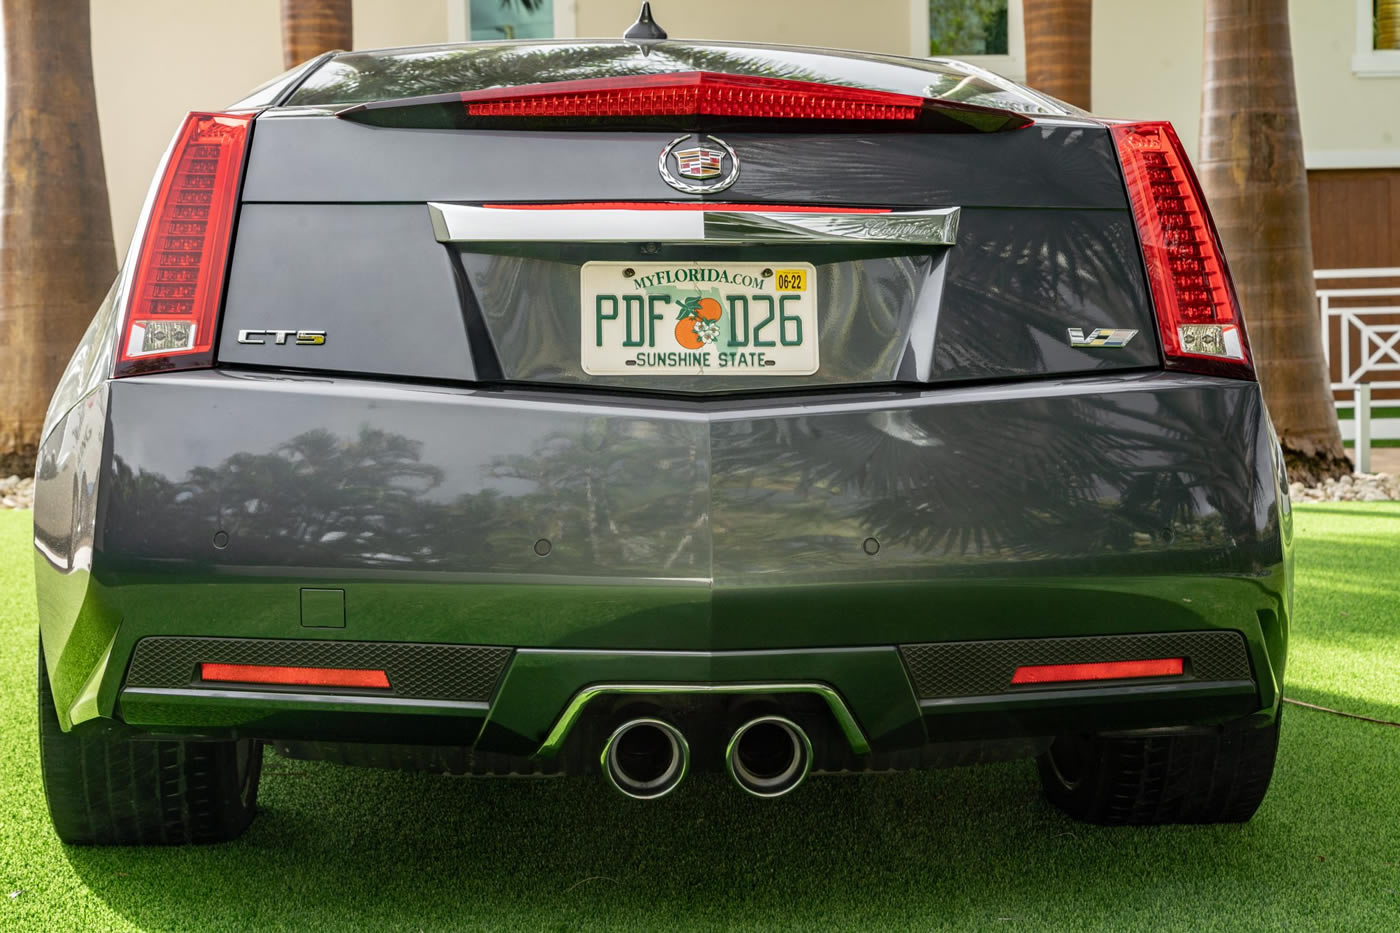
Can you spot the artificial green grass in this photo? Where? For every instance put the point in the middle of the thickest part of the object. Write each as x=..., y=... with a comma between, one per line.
x=1344, y=650
x=336, y=848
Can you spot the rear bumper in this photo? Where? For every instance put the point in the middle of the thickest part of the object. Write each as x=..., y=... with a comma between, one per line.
x=862, y=699
x=597, y=540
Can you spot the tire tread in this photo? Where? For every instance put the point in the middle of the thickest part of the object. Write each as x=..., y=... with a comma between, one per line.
x=111, y=790
x=1217, y=778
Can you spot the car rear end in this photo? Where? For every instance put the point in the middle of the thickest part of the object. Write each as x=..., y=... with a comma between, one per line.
x=556, y=408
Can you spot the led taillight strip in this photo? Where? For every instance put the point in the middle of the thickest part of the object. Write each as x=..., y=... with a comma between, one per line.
x=1104, y=670
x=173, y=297
x=293, y=676
x=679, y=206
x=677, y=99
x=693, y=93
x=1198, y=314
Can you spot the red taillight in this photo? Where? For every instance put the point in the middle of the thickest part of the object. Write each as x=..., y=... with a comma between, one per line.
x=1197, y=311
x=689, y=100
x=299, y=676
x=681, y=206
x=173, y=298
x=693, y=93
x=1106, y=670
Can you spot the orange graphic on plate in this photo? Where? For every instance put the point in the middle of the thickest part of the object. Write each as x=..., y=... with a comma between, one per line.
x=698, y=324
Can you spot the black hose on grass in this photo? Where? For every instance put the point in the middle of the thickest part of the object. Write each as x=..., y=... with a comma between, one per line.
x=1337, y=712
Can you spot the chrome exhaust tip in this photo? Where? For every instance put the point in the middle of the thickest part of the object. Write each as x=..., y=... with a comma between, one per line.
x=769, y=756
x=646, y=758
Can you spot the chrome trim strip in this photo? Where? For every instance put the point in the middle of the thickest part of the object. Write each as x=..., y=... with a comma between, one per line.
x=844, y=718
x=922, y=228
x=283, y=700
x=1118, y=691
x=464, y=223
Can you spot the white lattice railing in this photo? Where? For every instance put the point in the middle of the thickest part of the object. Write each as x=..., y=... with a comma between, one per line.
x=1378, y=360
x=1361, y=340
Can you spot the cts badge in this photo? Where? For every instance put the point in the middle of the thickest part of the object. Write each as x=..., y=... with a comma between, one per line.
x=300, y=338
x=1101, y=337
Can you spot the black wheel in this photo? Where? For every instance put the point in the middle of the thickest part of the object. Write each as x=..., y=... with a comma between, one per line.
x=1218, y=778
x=113, y=790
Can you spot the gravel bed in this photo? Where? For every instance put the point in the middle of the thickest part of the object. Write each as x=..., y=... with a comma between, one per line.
x=16, y=493
x=1359, y=487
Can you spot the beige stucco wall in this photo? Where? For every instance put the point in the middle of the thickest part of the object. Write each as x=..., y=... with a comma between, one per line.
x=156, y=59
x=1147, y=63
x=385, y=23
x=1347, y=119
x=876, y=25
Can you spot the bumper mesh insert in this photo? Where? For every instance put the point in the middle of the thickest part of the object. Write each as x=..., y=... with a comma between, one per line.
x=984, y=668
x=465, y=673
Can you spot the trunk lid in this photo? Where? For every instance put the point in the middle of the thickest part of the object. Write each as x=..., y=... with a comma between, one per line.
x=553, y=256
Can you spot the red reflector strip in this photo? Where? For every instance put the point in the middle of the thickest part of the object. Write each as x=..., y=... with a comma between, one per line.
x=1105, y=670
x=687, y=206
x=304, y=676
x=693, y=93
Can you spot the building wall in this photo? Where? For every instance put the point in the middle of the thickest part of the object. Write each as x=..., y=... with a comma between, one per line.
x=1147, y=62
x=381, y=24
x=1355, y=218
x=156, y=59
x=874, y=25
x=1348, y=121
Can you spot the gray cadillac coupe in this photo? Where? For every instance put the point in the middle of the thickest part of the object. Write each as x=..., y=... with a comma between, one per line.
x=633, y=407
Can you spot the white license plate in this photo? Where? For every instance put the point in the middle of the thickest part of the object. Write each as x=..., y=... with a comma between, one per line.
x=698, y=318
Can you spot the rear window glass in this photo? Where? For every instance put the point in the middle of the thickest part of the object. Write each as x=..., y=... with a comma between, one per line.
x=360, y=77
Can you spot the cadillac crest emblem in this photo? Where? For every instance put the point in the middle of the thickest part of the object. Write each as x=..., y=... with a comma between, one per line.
x=699, y=164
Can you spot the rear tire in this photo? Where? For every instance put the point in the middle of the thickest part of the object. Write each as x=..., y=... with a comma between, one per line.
x=1218, y=778
x=113, y=790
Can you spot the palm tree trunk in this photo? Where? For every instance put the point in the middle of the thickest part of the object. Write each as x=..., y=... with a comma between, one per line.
x=56, y=254
x=1251, y=167
x=1057, y=48
x=310, y=27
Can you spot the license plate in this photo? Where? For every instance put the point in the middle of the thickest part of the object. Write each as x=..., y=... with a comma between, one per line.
x=698, y=318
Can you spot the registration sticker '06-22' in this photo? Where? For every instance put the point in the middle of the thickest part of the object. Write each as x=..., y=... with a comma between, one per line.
x=698, y=318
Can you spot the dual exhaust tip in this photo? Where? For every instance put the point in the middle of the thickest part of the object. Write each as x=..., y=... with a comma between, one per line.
x=647, y=758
